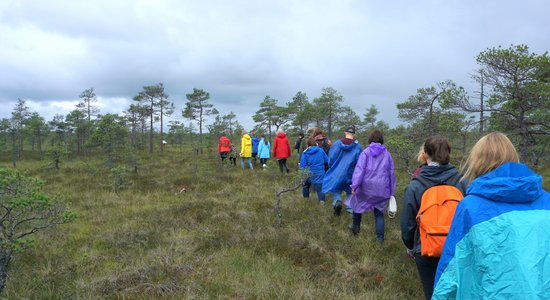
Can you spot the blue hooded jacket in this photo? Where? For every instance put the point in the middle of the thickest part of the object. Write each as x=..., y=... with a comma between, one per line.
x=342, y=159
x=498, y=246
x=255, y=142
x=264, y=149
x=314, y=159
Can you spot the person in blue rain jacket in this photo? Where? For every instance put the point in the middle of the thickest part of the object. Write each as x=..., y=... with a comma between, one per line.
x=313, y=160
x=498, y=245
x=342, y=158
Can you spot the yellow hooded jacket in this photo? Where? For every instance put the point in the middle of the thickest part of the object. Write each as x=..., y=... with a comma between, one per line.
x=246, y=146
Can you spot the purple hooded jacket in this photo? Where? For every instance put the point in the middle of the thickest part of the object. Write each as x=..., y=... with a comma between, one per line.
x=373, y=180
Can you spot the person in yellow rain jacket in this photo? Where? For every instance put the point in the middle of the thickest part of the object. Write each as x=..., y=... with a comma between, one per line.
x=246, y=150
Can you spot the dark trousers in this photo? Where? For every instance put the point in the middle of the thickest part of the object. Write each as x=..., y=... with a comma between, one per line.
x=318, y=188
x=223, y=155
x=263, y=160
x=378, y=223
x=282, y=165
x=427, y=266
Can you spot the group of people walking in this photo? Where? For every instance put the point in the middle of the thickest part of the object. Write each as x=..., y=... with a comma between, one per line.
x=496, y=242
x=366, y=176
x=253, y=148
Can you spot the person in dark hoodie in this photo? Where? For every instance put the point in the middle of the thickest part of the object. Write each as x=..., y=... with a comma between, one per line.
x=499, y=240
x=437, y=170
x=313, y=160
x=298, y=144
x=342, y=157
x=281, y=150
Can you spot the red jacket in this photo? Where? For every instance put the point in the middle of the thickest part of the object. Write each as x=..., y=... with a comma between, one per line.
x=281, y=146
x=224, y=145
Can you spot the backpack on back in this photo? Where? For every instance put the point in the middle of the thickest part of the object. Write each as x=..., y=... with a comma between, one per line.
x=437, y=209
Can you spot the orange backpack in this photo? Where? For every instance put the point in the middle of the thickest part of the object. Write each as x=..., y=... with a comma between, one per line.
x=437, y=209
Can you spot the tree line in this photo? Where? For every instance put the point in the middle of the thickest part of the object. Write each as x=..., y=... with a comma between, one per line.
x=513, y=96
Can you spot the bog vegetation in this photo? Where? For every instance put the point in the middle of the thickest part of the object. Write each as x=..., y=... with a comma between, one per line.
x=141, y=220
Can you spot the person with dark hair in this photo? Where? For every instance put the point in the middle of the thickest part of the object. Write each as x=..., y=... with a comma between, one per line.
x=372, y=184
x=313, y=160
x=342, y=158
x=376, y=137
x=281, y=150
x=317, y=135
x=498, y=243
x=264, y=149
x=438, y=171
x=298, y=144
x=233, y=155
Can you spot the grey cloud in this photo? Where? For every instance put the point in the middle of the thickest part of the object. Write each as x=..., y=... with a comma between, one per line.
x=372, y=52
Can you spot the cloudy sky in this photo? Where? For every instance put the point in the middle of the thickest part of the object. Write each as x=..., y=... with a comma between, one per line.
x=372, y=52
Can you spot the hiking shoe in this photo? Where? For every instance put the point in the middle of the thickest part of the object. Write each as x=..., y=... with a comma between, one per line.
x=338, y=209
x=353, y=230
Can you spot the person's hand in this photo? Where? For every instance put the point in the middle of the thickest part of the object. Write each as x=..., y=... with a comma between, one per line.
x=410, y=253
x=353, y=192
x=241, y=154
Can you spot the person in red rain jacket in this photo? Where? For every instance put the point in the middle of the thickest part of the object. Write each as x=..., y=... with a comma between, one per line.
x=224, y=146
x=281, y=150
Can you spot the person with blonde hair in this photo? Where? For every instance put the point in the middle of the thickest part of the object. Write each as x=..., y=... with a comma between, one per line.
x=499, y=240
x=421, y=158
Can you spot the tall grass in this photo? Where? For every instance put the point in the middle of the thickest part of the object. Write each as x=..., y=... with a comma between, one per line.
x=186, y=226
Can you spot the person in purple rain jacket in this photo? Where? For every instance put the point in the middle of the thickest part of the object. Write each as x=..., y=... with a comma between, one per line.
x=372, y=184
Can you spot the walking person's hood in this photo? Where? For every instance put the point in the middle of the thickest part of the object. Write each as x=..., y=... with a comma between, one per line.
x=375, y=149
x=281, y=135
x=312, y=150
x=510, y=183
x=347, y=145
